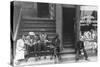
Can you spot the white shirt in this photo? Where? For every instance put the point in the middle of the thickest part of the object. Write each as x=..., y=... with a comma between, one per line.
x=19, y=49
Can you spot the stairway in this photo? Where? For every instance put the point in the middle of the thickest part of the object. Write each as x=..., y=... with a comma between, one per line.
x=68, y=44
x=68, y=40
x=68, y=31
x=30, y=24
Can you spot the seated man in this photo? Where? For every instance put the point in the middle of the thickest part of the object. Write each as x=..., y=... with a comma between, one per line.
x=32, y=40
x=56, y=44
x=35, y=39
x=43, y=43
x=27, y=46
x=30, y=44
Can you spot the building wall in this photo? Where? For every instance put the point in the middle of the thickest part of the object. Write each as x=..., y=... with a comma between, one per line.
x=27, y=10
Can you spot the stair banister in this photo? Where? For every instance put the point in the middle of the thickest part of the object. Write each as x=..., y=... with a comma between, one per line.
x=17, y=27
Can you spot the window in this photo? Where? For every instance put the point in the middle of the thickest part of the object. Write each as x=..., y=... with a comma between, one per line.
x=45, y=10
x=38, y=10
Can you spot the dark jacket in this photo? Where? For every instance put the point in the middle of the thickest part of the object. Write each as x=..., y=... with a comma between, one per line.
x=80, y=45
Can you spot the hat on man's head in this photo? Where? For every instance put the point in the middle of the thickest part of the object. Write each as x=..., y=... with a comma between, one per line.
x=31, y=33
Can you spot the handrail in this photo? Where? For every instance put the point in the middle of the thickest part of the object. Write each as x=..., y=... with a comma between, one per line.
x=17, y=27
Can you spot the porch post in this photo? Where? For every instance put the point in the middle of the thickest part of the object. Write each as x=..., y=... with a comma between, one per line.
x=77, y=26
x=59, y=22
x=77, y=22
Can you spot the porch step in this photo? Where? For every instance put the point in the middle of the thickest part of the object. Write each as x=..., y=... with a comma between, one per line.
x=68, y=42
x=68, y=51
x=30, y=24
x=36, y=30
x=68, y=46
x=37, y=19
x=68, y=57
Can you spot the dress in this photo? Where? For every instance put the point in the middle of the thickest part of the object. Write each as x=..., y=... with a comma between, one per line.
x=19, y=50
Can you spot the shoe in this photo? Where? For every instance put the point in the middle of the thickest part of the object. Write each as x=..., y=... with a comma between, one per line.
x=86, y=59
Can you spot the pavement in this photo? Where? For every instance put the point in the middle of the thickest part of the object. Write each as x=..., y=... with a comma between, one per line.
x=65, y=59
x=90, y=59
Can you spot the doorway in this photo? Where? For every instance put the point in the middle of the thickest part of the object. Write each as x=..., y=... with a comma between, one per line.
x=68, y=26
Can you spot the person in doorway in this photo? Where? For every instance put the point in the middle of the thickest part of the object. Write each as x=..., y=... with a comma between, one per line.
x=80, y=50
x=20, y=49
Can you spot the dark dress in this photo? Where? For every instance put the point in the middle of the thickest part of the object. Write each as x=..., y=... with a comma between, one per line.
x=80, y=46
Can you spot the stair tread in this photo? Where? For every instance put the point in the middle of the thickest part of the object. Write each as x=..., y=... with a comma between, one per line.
x=38, y=25
x=48, y=36
x=48, y=33
x=68, y=50
x=38, y=30
x=67, y=45
x=38, y=19
x=68, y=55
x=65, y=42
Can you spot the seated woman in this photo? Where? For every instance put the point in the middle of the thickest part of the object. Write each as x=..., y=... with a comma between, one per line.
x=20, y=51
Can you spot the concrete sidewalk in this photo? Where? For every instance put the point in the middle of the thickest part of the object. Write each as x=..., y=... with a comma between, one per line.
x=90, y=59
x=65, y=59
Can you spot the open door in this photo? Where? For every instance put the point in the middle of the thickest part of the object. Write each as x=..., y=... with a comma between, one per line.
x=68, y=31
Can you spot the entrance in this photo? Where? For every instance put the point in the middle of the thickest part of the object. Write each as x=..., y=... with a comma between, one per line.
x=68, y=27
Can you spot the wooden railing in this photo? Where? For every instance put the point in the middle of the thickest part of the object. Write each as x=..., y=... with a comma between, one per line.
x=18, y=24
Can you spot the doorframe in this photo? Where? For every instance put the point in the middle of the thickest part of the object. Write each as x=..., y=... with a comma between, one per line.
x=68, y=6
x=59, y=21
x=75, y=24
